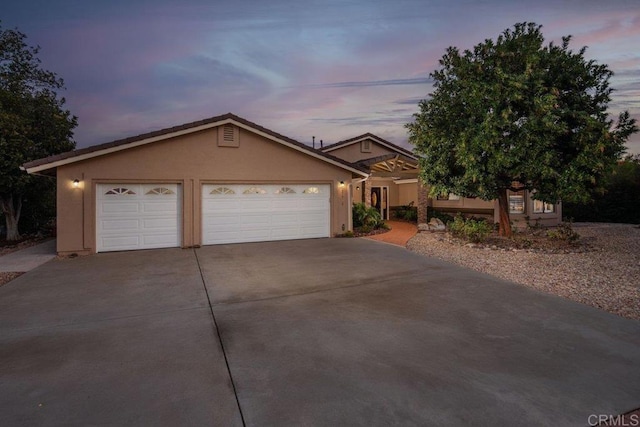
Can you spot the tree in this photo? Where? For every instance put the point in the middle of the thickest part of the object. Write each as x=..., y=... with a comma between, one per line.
x=621, y=200
x=515, y=114
x=33, y=122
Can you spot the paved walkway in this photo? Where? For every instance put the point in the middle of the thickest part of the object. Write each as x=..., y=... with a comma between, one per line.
x=27, y=259
x=399, y=235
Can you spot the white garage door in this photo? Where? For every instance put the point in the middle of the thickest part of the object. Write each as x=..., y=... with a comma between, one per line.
x=256, y=213
x=137, y=216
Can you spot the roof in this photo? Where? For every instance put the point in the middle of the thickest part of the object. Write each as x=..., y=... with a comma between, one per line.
x=52, y=162
x=373, y=137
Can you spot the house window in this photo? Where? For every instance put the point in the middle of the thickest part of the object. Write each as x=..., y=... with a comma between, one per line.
x=286, y=190
x=449, y=196
x=365, y=146
x=254, y=190
x=516, y=202
x=160, y=191
x=543, y=207
x=119, y=190
x=222, y=190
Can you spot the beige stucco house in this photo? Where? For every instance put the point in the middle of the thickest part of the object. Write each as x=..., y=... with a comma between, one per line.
x=393, y=181
x=220, y=180
x=228, y=180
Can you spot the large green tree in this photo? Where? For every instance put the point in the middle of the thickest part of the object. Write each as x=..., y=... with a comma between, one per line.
x=516, y=114
x=33, y=123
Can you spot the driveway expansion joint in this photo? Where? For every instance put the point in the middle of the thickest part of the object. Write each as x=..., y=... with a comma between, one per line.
x=215, y=325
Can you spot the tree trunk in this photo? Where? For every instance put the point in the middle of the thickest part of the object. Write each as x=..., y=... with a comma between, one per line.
x=503, y=209
x=11, y=213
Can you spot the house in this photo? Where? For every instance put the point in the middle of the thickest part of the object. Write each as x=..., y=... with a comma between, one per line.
x=219, y=180
x=228, y=180
x=392, y=172
x=393, y=181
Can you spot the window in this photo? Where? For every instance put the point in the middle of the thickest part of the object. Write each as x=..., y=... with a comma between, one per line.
x=446, y=196
x=160, y=191
x=365, y=146
x=516, y=202
x=254, y=190
x=311, y=190
x=540, y=206
x=222, y=190
x=286, y=190
x=119, y=191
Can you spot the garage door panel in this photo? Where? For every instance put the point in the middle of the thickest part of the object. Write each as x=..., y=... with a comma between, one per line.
x=115, y=207
x=283, y=212
x=131, y=216
x=159, y=224
x=121, y=242
x=159, y=208
x=120, y=224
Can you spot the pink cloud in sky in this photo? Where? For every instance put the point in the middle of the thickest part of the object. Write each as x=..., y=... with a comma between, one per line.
x=330, y=69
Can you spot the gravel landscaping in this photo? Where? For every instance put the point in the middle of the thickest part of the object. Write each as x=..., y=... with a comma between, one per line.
x=604, y=273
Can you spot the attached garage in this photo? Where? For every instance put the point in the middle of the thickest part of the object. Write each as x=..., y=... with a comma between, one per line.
x=132, y=216
x=264, y=212
x=219, y=180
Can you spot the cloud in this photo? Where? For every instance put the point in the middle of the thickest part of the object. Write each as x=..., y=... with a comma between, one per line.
x=390, y=82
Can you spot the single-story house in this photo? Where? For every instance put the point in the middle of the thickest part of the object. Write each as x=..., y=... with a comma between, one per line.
x=393, y=181
x=228, y=180
x=219, y=180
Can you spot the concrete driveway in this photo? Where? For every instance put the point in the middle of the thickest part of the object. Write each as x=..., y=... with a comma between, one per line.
x=315, y=332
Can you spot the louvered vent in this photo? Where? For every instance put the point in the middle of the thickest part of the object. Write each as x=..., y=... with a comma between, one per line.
x=228, y=136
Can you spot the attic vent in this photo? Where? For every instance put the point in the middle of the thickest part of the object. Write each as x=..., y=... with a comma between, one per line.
x=228, y=136
x=365, y=146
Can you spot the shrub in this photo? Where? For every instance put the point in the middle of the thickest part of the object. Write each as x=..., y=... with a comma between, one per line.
x=473, y=230
x=407, y=212
x=564, y=232
x=364, y=216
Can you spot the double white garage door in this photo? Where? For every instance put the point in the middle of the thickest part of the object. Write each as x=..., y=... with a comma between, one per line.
x=145, y=216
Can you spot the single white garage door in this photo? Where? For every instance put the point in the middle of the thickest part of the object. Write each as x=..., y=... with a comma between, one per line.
x=137, y=216
x=256, y=213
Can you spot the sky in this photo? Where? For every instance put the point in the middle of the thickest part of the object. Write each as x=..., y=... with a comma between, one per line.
x=324, y=68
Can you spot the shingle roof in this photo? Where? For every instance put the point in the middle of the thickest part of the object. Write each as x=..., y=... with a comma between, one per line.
x=81, y=154
x=355, y=139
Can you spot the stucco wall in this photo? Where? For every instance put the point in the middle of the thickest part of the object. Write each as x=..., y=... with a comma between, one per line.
x=352, y=153
x=407, y=193
x=190, y=160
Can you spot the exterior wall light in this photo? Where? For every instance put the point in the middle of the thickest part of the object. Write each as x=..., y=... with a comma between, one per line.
x=76, y=183
x=341, y=183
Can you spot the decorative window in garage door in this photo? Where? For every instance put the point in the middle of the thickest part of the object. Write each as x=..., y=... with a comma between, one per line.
x=254, y=190
x=222, y=190
x=286, y=190
x=160, y=191
x=119, y=191
x=311, y=190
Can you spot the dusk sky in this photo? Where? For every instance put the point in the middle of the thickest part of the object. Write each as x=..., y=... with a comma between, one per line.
x=333, y=69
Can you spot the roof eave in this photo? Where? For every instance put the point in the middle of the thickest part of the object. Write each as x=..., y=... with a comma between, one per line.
x=39, y=167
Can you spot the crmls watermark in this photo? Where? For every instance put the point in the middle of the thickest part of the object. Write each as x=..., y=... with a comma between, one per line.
x=631, y=420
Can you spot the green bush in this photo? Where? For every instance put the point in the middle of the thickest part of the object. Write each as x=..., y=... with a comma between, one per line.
x=475, y=231
x=407, y=212
x=564, y=232
x=364, y=216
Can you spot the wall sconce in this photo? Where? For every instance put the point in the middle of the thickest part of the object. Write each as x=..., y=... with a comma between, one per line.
x=76, y=183
x=341, y=183
x=358, y=188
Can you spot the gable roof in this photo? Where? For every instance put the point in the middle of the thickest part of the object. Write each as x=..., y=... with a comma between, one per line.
x=377, y=139
x=52, y=162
